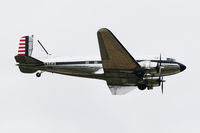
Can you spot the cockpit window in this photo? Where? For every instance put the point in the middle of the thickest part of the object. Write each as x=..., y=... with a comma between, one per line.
x=171, y=59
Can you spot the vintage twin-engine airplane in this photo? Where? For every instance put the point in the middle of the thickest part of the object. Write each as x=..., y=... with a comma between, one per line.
x=117, y=67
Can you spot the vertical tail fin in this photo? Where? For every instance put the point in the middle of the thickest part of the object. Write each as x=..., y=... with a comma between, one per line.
x=25, y=46
x=27, y=64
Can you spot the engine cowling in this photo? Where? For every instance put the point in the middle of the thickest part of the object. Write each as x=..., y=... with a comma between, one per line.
x=149, y=83
x=152, y=82
x=148, y=66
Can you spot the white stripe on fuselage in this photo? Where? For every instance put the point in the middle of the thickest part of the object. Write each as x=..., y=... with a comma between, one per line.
x=91, y=58
x=143, y=61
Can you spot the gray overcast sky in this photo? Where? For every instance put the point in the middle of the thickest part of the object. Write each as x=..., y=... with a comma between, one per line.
x=57, y=103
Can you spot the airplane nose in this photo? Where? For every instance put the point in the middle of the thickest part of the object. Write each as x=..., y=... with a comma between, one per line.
x=182, y=67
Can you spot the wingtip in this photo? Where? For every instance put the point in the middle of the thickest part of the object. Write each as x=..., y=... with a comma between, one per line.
x=103, y=30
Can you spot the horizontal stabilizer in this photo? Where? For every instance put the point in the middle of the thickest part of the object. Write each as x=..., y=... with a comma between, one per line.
x=27, y=70
x=27, y=64
x=23, y=59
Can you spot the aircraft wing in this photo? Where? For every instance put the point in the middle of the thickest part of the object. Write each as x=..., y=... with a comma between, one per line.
x=121, y=90
x=119, y=66
x=113, y=54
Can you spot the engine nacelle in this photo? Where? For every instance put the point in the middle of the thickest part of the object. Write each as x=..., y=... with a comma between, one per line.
x=149, y=83
x=152, y=82
x=148, y=66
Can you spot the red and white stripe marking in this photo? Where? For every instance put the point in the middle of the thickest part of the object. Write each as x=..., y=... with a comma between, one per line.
x=22, y=46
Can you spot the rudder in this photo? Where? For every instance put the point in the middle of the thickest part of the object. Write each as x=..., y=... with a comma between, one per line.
x=25, y=46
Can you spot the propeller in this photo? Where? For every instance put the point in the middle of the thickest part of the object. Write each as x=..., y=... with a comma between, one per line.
x=162, y=84
x=159, y=69
x=158, y=65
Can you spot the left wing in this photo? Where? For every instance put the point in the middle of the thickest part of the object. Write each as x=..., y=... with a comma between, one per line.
x=119, y=66
x=113, y=54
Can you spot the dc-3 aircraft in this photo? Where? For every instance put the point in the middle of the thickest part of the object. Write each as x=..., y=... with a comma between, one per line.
x=117, y=67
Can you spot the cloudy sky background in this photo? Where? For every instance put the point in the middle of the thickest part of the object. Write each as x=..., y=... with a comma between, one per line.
x=57, y=103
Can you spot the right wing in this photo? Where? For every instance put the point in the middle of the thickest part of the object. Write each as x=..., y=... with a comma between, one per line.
x=114, y=56
x=121, y=90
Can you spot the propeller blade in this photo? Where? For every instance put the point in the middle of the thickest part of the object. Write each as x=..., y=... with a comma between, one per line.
x=160, y=60
x=160, y=72
x=162, y=85
x=159, y=64
x=160, y=68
